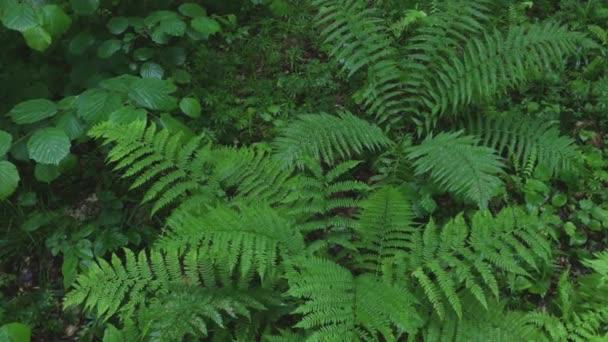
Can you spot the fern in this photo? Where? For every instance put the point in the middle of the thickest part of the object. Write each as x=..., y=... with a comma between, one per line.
x=480, y=324
x=599, y=33
x=444, y=261
x=186, y=311
x=324, y=137
x=315, y=197
x=456, y=163
x=253, y=237
x=341, y=307
x=360, y=40
x=384, y=228
x=494, y=61
x=173, y=168
x=150, y=155
x=528, y=140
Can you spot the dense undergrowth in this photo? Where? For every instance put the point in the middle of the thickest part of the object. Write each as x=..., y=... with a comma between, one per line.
x=303, y=170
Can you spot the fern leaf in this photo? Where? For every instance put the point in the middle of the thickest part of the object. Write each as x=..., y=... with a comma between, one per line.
x=456, y=163
x=326, y=138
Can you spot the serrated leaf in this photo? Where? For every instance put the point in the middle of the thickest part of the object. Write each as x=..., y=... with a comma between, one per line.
x=192, y=10
x=175, y=126
x=128, y=114
x=55, y=21
x=33, y=111
x=84, y=7
x=118, y=25
x=96, y=105
x=71, y=125
x=151, y=70
x=154, y=94
x=191, y=107
x=48, y=145
x=46, y=173
x=20, y=17
x=37, y=38
x=5, y=142
x=108, y=48
x=205, y=25
x=9, y=179
x=173, y=27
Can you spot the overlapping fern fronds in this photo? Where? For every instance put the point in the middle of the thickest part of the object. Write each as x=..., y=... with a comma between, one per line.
x=327, y=138
x=526, y=139
x=459, y=165
x=162, y=161
x=384, y=227
x=341, y=307
x=316, y=196
x=254, y=238
x=494, y=61
x=172, y=167
x=360, y=40
x=442, y=261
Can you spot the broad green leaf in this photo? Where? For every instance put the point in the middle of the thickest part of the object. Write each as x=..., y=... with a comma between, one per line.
x=173, y=27
x=122, y=83
x=55, y=21
x=33, y=111
x=151, y=70
x=46, y=173
x=71, y=125
x=84, y=7
x=96, y=105
x=154, y=94
x=108, y=48
x=143, y=54
x=192, y=10
x=128, y=114
x=37, y=38
x=5, y=142
x=9, y=179
x=20, y=17
x=205, y=25
x=48, y=145
x=191, y=107
x=118, y=25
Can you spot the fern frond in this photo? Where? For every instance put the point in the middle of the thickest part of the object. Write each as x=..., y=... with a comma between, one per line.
x=327, y=138
x=314, y=199
x=188, y=311
x=123, y=288
x=153, y=158
x=384, y=227
x=449, y=262
x=341, y=307
x=480, y=324
x=254, y=238
x=527, y=139
x=456, y=163
x=495, y=61
x=360, y=40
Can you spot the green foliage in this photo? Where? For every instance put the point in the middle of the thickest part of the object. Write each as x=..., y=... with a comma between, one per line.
x=326, y=137
x=528, y=140
x=456, y=163
x=342, y=307
x=285, y=170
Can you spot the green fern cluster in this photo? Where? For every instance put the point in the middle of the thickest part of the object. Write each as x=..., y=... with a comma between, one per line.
x=528, y=140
